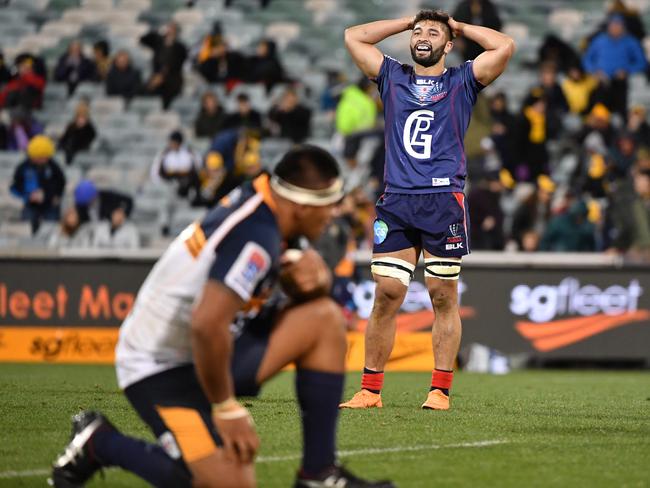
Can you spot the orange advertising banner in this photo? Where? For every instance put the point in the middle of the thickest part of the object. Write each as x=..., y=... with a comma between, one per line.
x=58, y=344
x=412, y=352
x=96, y=345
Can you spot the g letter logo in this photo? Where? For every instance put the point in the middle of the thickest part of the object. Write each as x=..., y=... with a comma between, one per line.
x=416, y=140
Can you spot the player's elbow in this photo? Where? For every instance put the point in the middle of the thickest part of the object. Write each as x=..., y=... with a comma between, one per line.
x=509, y=47
x=347, y=37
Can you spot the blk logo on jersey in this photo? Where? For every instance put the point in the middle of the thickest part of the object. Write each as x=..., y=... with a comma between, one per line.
x=249, y=268
x=416, y=137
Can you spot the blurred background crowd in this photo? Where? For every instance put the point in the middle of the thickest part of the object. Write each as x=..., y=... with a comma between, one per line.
x=122, y=120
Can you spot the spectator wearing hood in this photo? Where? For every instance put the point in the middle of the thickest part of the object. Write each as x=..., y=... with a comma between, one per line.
x=613, y=56
x=557, y=52
x=39, y=182
x=265, y=66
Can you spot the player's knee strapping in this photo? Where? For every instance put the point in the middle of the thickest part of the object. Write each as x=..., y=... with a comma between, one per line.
x=442, y=268
x=393, y=268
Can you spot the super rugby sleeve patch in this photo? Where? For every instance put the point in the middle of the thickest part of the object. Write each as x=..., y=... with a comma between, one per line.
x=250, y=267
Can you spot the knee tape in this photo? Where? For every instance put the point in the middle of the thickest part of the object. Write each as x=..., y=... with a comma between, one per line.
x=442, y=268
x=393, y=268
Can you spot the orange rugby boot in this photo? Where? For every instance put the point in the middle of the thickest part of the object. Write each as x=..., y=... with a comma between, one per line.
x=363, y=399
x=436, y=400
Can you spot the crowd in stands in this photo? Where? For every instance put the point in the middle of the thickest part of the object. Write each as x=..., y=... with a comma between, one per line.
x=567, y=170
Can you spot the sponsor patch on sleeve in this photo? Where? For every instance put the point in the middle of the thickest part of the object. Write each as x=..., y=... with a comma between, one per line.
x=248, y=270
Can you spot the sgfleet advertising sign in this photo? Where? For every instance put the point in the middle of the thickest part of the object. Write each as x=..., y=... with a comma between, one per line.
x=561, y=313
x=65, y=310
x=571, y=311
x=70, y=310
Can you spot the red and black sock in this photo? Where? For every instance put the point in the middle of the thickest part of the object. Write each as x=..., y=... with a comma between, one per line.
x=372, y=380
x=441, y=380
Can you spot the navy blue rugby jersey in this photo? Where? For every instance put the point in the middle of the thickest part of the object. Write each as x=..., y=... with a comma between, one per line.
x=426, y=119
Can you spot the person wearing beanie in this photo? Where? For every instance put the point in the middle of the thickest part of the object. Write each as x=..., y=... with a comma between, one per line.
x=93, y=204
x=39, y=182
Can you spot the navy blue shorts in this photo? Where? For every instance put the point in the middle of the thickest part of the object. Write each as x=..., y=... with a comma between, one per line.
x=436, y=222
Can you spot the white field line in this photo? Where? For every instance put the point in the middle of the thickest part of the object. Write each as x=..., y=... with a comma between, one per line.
x=382, y=450
x=24, y=474
x=292, y=457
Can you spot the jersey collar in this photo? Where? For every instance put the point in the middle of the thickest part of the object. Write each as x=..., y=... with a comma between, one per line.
x=262, y=186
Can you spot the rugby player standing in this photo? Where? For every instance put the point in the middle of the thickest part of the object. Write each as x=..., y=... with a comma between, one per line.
x=427, y=109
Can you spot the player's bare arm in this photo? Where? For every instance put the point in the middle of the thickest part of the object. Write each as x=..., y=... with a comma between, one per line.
x=499, y=48
x=211, y=345
x=360, y=41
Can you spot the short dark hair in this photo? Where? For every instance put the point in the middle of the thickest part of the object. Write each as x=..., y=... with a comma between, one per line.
x=434, y=16
x=307, y=166
x=176, y=136
x=103, y=47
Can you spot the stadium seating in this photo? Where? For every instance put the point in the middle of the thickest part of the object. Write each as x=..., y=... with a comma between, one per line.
x=309, y=40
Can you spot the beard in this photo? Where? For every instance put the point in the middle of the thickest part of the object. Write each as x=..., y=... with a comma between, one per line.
x=430, y=60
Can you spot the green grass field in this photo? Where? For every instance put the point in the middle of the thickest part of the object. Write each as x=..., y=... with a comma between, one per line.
x=536, y=428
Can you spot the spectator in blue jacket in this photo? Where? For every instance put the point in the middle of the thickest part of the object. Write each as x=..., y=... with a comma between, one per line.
x=612, y=56
x=39, y=182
